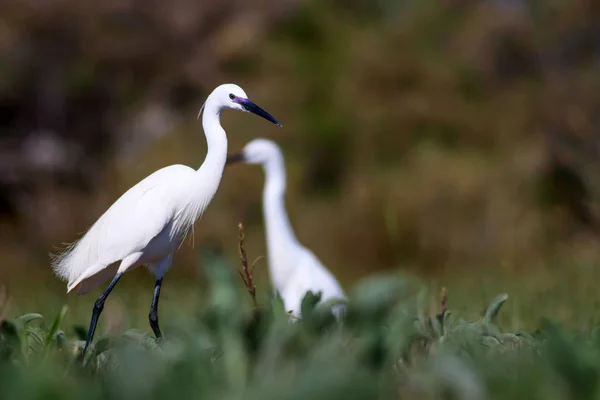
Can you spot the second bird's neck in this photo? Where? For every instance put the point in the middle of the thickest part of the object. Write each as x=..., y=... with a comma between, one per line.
x=282, y=245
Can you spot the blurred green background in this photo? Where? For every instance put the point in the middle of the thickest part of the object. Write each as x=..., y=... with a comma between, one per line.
x=456, y=140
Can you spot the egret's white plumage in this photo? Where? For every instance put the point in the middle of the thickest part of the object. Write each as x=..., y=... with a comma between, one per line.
x=293, y=269
x=148, y=222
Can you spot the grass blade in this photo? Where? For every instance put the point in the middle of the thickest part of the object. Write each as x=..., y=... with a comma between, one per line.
x=494, y=308
x=51, y=334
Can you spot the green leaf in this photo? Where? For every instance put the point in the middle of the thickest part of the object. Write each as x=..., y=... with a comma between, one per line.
x=102, y=345
x=27, y=318
x=309, y=302
x=331, y=306
x=494, y=308
x=52, y=333
x=277, y=308
x=37, y=334
x=373, y=298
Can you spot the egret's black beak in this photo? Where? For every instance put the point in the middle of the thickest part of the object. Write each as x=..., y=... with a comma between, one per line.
x=234, y=158
x=253, y=108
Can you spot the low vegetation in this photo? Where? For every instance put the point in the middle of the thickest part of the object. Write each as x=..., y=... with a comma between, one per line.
x=396, y=340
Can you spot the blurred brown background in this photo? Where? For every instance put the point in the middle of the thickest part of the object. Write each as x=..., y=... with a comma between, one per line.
x=431, y=135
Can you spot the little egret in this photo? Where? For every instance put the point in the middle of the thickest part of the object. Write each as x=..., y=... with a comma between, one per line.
x=294, y=270
x=146, y=225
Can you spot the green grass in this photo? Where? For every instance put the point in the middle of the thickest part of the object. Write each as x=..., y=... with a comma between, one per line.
x=397, y=340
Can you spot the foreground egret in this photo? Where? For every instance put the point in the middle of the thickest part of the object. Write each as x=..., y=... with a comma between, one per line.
x=147, y=224
x=294, y=269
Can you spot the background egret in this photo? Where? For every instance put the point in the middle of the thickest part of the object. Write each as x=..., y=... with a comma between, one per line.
x=294, y=269
x=147, y=223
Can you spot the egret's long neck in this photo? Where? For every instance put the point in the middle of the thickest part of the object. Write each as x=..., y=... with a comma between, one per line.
x=208, y=176
x=216, y=139
x=282, y=245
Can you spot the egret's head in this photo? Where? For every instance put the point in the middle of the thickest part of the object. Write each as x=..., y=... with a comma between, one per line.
x=232, y=96
x=258, y=151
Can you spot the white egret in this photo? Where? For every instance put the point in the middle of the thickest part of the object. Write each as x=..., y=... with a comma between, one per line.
x=146, y=225
x=294, y=270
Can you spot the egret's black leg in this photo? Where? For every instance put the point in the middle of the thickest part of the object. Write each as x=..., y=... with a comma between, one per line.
x=98, y=307
x=154, y=309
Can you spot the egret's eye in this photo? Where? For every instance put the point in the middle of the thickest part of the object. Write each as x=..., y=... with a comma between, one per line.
x=231, y=96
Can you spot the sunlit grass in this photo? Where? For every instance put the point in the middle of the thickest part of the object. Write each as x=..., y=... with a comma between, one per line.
x=396, y=338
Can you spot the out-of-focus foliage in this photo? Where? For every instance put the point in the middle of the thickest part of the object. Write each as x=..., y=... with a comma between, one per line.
x=386, y=346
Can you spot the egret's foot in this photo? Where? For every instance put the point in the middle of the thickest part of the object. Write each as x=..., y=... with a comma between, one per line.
x=80, y=357
x=160, y=341
x=80, y=352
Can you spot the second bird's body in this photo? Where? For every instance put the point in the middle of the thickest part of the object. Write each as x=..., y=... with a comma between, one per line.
x=294, y=270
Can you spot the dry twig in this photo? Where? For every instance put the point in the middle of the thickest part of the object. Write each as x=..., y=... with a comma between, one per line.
x=246, y=273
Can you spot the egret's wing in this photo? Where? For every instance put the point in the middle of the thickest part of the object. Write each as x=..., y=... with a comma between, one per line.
x=138, y=216
x=128, y=227
x=310, y=275
x=321, y=278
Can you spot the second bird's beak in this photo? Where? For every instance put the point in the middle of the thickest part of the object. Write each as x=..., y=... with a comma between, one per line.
x=234, y=158
x=253, y=108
